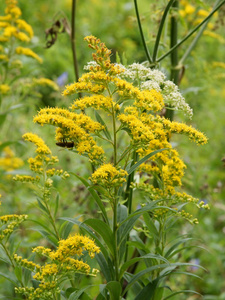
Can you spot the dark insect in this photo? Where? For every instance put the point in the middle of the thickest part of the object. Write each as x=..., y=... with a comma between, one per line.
x=65, y=144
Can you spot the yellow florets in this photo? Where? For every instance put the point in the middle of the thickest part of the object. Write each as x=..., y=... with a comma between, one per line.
x=40, y=144
x=109, y=176
x=28, y=52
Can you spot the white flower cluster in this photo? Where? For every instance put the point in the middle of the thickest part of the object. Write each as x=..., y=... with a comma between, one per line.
x=148, y=79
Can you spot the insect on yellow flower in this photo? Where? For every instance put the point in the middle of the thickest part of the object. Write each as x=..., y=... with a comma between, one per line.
x=65, y=144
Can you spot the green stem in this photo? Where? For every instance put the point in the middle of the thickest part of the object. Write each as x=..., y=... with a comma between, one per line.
x=195, y=40
x=115, y=228
x=52, y=221
x=73, y=40
x=47, y=207
x=156, y=47
x=174, y=76
x=141, y=32
x=190, y=33
x=8, y=255
x=11, y=261
x=114, y=139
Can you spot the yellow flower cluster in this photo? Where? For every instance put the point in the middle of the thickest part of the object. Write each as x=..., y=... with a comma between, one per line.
x=74, y=245
x=8, y=161
x=96, y=101
x=196, y=15
x=40, y=163
x=8, y=224
x=62, y=262
x=28, y=52
x=109, y=176
x=42, y=148
x=128, y=108
x=45, y=291
x=75, y=128
x=11, y=28
x=45, y=82
x=4, y=88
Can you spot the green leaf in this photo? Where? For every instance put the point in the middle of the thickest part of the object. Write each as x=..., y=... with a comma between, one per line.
x=49, y=237
x=122, y=213
x=141, y=161
x=42, y=224
x=169, y=253
x=76, y=295
x=18, y=273
x=106, y=267
x=105, y=130
x=158, y=293
x=147, y=292
x=27, y=276
x=181, y=292
x=66, y=230
x=104, y=231
x=148, y=207
x=114, y=288
x=132, y=261
x=142, y=273
x=132, y=218
x=56, y=205
x=94, y=195
x=2, y=118
x=8, y=278
x=42, y=207
x=5, y=260
x=151, y=226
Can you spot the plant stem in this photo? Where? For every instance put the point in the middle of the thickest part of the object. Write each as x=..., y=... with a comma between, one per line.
x=197, y=37
x=190, y=33
x=73, y=40
x=156, y=47
x=141, y=32
x=174, y=75
x=115, y=227
x=11, y=261
x=8, y=254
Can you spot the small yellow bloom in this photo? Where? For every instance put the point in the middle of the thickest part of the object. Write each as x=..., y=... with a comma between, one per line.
x=4, y=89
x=28, y=52
x=46, y=82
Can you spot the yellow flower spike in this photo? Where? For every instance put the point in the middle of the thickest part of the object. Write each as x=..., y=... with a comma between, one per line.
x=95, y=101
x=182, y=128
x=189, y=9
x=82, y=86
x=46, y=82
x=40, y=144
x=28, y=52
x=107, y=175
x=4, y=88
x=26, y=178
x=25, y=26
x=4, y=24
x=74, y=245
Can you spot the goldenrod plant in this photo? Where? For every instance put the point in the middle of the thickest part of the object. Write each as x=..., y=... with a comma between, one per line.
x=117, y=126
x=16, y=43
x=117, y=120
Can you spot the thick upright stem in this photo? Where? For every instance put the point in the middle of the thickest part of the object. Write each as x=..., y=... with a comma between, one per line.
x=141, y=32
x=73, y=40
x=155, y=51
x=115, y=228
x=174, y=75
